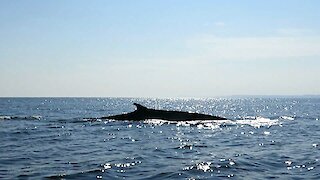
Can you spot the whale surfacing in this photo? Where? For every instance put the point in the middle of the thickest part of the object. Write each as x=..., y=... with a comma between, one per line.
x=143, y=113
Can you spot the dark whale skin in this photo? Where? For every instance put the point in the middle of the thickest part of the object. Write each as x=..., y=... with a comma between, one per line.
x=143, y=113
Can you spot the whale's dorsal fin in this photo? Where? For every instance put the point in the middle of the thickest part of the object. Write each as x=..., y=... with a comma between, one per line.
x=140, y=107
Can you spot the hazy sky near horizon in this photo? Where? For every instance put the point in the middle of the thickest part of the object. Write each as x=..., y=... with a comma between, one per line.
x=167, y=48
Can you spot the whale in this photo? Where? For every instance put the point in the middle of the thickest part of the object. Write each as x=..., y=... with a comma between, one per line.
x=144, y=113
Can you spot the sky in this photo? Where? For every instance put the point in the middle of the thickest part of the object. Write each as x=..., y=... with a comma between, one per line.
x=167, y=48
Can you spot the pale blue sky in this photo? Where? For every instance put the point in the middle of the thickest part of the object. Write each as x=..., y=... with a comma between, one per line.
x=167, y=48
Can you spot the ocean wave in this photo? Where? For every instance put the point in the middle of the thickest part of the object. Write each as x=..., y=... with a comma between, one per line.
x=214, y=166
x=76, y=175
x=258, y=121
x=33, y=117
x=254, y=121
x=287, y=118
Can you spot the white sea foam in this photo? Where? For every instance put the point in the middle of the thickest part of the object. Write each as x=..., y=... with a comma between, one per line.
x=34, y=117
x=5, y=117
x=258, y=122
x=287, y=118
x=37, y=117
x=253, y=121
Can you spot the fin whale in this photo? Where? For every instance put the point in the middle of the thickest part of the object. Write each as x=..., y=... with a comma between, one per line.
x=143, y=113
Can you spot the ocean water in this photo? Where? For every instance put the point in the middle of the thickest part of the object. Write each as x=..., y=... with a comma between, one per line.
x=56, y=138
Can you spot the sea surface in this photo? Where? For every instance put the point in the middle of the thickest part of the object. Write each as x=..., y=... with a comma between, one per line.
x=63, y=138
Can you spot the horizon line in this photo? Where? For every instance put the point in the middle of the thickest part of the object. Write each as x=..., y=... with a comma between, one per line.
x=178, y=97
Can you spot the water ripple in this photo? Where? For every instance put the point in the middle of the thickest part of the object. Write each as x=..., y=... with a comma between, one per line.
x=263, y=138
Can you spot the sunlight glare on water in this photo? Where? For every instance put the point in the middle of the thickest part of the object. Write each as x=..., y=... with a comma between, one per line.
x=64, y=138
